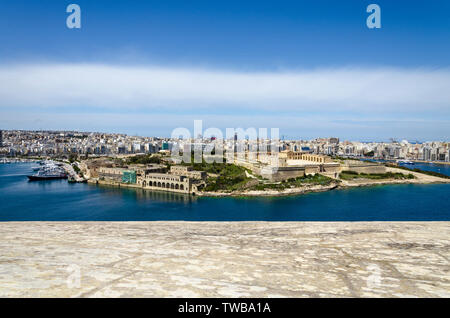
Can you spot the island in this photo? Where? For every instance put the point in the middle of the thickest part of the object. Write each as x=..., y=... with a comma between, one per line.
x=293, y=173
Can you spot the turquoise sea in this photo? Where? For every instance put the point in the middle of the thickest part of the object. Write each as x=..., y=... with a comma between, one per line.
x=58, y=200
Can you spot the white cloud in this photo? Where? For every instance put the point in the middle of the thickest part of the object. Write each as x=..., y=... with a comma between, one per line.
x=365, y=91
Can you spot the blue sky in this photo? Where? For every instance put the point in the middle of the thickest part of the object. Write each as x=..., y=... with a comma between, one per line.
x=310, y=68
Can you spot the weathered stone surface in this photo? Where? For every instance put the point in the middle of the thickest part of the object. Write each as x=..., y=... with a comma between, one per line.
x=242, y=259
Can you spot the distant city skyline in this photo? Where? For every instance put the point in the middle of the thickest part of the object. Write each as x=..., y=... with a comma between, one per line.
x=281, y=137
x=311, y=69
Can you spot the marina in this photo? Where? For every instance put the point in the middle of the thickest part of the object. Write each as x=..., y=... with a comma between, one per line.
x=49, y=171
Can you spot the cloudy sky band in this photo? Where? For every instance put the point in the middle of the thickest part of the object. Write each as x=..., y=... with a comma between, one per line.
x=146, y=87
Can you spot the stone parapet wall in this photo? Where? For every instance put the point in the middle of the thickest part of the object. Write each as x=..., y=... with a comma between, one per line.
x=225, y=259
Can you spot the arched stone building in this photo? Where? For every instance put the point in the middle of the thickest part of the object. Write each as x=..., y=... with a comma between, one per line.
x=167, y=182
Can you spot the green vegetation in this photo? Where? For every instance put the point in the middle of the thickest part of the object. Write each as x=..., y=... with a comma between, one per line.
x=77, y=170
x=350, y=175
x=227, y=177
x=143, y=159
x=216, y=168
x=316, y=179
x=75, y=167
x=339, y=158
x=73, y=158
x=230, y=177
x=430, y=173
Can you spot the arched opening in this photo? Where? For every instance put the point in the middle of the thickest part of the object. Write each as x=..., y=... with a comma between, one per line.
x=181, y=187
x=177, y=186
x=144, y=184
x=172, y=186
x=163, y=185
x=168, y=185
x=159, y=184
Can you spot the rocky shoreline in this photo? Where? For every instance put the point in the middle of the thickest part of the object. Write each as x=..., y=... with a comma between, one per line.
x=419, y=178
x=271, y=193
x=343, y=184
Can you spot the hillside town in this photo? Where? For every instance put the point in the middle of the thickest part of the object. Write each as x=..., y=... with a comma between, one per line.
x=236, y=166
x=64, y=143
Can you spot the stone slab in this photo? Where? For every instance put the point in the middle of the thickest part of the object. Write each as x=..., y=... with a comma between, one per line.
x=225, y=259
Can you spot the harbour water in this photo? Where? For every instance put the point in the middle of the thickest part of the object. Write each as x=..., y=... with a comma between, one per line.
x=59, y=200
x=441, y=168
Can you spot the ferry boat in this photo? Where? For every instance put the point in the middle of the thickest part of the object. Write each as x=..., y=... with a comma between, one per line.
x=48, y=173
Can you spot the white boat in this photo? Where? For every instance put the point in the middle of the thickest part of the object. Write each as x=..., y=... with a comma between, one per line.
x=48, y=173
x=405, y=162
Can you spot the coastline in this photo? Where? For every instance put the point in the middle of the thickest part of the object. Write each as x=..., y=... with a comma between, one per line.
x=313, y=189
x=432, y=162
x=420, y=178
x=271, y=193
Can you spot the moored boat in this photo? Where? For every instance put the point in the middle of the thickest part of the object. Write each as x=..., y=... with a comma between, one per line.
x=405, y=162
x=48, y=172
x=51, y=177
